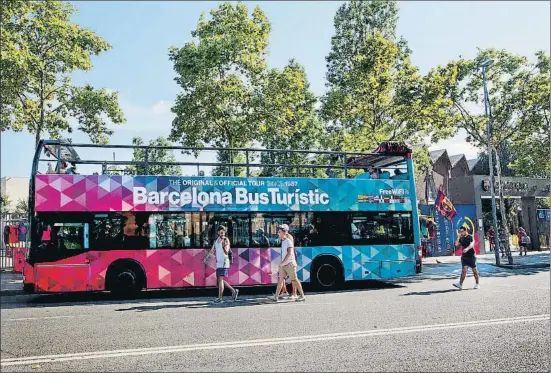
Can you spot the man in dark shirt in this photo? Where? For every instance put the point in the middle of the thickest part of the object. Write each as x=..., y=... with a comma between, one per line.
x=468, y=258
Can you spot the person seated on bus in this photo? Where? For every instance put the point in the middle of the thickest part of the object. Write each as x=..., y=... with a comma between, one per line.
x=375, y=173
x=385, y=175
x=71, y=170
x=62, y=167
x=371, y=173
x=399, y=175
x=365, y=175
x=50, y=169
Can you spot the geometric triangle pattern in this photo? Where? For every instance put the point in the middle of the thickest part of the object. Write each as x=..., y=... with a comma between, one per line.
x=175, y=268
x=61, y=192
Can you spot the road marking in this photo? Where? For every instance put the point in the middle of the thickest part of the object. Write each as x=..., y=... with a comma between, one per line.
x=44, y=318
x=261, y=342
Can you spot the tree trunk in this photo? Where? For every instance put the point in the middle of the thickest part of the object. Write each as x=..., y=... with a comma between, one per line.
x=40, y=124
x=504, y=220
x=230, y=145
x=37, y=138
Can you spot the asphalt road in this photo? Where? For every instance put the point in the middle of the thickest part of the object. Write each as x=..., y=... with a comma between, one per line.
x=418, y=324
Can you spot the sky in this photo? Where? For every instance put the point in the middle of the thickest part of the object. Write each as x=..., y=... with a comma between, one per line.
x=141, y=33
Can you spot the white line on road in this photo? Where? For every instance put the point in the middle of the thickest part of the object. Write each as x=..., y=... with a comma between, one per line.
x=261, y=342
x=44, y=318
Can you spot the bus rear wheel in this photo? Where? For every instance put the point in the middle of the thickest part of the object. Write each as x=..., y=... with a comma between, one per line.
x=327, y=273
x=125, y=279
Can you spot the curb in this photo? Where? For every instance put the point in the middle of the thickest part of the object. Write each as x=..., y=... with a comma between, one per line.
x=15, y=298
x=523, y=266
x=10, y=293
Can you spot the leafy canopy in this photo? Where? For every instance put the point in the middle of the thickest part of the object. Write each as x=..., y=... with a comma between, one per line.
x=41, y=48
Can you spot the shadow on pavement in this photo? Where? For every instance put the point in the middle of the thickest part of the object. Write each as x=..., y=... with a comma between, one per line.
x=431, y=292
x=444, y=272
x=228, y=303
x=188, y=294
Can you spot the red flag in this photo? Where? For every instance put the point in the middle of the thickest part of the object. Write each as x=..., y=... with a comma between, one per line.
x=444, y=206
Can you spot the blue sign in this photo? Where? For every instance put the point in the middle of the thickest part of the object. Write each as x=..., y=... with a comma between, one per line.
x=164, y=193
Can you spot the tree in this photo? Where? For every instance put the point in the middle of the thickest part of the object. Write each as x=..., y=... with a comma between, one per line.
x=516, y=95
x=354, y=21
x=375, y=93
x=219, y=73
x=22, y=207
x=532, y=151
x=154, y=155
x=288, y=120
x=41, y=47
x=4, y=204
x=506, y=157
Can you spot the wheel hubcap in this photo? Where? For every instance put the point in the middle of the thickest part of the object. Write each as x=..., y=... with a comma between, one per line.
x=126, y=279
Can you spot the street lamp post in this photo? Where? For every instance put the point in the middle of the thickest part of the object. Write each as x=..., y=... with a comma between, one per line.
x=484, y=65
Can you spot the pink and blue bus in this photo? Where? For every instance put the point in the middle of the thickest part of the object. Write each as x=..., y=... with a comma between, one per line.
x=131, y=232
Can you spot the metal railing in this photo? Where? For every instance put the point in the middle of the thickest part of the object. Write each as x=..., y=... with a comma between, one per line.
x=9, y=227
x=312, y=159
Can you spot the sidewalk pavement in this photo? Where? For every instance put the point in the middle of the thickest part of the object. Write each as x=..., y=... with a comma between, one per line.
x=535, y=259
x=11, y=283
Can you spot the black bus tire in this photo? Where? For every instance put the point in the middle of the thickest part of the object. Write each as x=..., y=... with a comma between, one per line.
x=125, y=278
x=327, y=273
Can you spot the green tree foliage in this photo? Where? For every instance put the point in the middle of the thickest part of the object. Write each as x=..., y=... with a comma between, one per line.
x=219, y=73
x=41, y=47
x=288, y=120
x=375, y=93
x=532, y=151
x=517, y=103
x=154, y=155
x=22, y=207
x=519, y=99
x=224, y=157
x=506, y=157
x=4, y=204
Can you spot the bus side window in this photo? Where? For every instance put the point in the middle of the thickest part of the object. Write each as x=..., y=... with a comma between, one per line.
x=375, y=228
x=69, y=236
x=107, y=231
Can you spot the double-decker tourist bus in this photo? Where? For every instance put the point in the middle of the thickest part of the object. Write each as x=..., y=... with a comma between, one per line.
x=103, y=231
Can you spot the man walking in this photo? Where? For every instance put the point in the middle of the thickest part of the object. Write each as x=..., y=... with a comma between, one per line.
x=288, y=266
x=468, y=258
x=222, y=248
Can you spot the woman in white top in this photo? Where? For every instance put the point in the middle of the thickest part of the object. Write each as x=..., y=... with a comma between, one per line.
x=222, y=248
x=288, y=266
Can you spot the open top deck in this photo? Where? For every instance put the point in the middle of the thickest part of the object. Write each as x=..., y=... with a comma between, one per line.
x=303, y=163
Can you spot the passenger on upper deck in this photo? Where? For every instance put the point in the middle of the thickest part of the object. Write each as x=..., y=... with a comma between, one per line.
x=384, y=174
x=399, y=175
x=371, y=173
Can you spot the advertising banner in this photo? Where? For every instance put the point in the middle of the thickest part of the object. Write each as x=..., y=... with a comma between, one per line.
x=167, y=193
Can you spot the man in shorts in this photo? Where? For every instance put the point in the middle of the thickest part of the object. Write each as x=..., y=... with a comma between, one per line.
x=468, y=258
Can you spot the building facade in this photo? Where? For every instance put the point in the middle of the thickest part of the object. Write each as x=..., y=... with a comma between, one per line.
x=464, y=182
x=15, y=188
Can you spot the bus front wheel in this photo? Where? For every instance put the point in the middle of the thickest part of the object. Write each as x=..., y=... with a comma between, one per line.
x=327, y=273
x=125, y=279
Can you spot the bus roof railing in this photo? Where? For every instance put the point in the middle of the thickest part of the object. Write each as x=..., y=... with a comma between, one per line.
x=386, y=155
